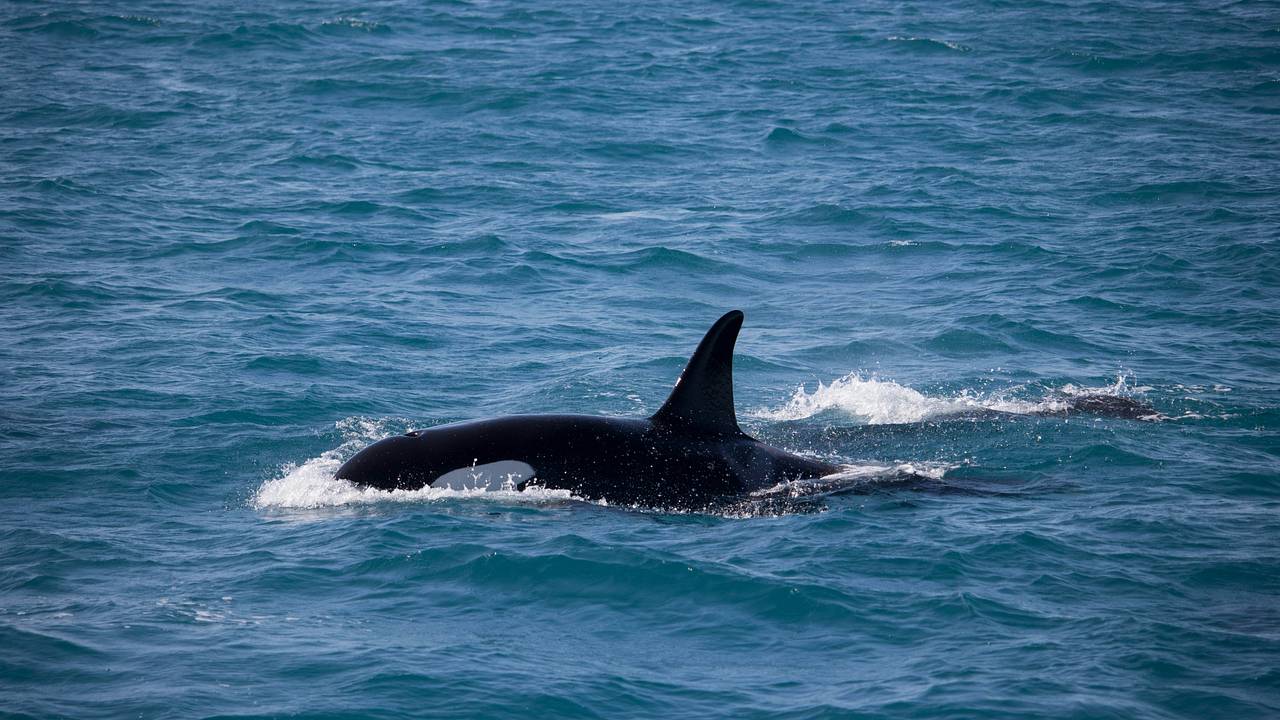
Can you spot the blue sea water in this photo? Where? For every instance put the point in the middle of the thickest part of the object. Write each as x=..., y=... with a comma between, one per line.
x=238, y=242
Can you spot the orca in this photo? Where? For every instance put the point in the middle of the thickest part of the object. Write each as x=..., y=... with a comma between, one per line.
x=690, y=454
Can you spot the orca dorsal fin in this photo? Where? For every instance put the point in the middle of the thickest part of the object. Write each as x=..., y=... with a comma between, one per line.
x=702, y=400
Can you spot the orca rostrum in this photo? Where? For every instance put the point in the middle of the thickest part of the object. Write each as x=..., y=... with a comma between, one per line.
x=690, y=454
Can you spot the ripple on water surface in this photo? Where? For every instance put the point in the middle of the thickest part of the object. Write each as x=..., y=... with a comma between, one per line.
x=1012, y=268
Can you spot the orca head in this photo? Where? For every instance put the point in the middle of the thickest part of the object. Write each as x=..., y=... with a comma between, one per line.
x=390, y=464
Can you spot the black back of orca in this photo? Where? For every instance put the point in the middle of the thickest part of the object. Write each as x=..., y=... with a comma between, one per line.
x=689, y=454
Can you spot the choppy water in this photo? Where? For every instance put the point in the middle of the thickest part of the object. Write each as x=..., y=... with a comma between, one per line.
x=238, y=243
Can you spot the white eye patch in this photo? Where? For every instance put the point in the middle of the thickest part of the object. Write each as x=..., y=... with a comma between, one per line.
x=500, y=475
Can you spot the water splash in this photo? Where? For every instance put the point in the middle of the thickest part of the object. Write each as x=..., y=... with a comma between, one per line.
x=875, y=401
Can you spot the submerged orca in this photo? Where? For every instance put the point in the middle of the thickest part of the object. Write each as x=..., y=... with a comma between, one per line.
x=689, y=454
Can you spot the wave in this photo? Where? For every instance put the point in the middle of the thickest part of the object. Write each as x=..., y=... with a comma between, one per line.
x=344, y=24
x=929, y=44
x=666, y=214
x=851, y=477
x=874, y=401
x=789, y=136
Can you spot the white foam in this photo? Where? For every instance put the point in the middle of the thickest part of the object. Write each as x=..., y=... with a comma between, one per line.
x=876, y=401
x=354, y=24
x=648, y=214
x=851, y=475
x=884, y=402
x=945, y=43
x=1122, y=386
x=881, y=471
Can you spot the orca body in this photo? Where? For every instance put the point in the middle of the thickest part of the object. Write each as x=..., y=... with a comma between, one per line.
x=690, y=454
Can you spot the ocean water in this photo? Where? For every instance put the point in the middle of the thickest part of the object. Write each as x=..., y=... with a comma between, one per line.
x=238, y=242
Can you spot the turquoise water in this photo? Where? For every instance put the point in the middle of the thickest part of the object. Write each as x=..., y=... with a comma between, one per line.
x=239, y=243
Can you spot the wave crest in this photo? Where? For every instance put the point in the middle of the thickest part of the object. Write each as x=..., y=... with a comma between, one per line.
x=883, y=402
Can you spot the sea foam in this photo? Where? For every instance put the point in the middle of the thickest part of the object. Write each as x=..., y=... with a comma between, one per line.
x=876, y=401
